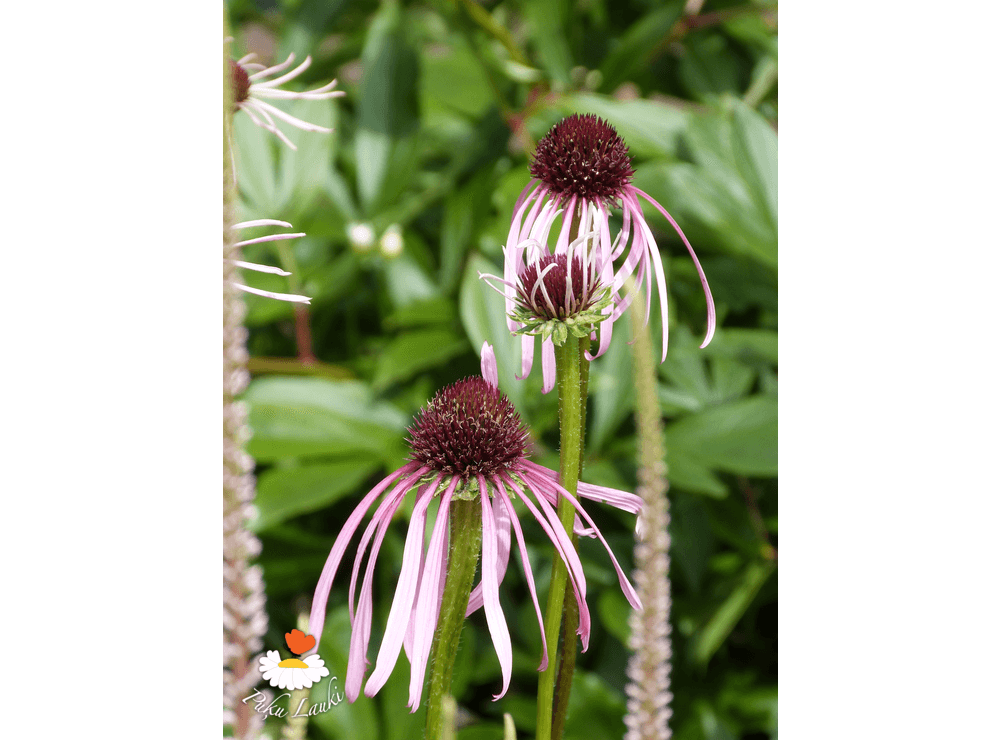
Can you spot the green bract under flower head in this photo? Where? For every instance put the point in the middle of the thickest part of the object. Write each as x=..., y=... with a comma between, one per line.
x=557, y=296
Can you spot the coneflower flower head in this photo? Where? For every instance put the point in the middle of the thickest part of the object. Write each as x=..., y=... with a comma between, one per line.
x=468, y=443
x=581, y=169
x=468, y=429
x=251, y=89
x=583, y=156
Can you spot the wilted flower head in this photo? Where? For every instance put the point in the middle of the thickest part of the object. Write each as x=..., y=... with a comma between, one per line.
x=251, y=88
x=581, y=168
x=266, y=268
x=468, y=443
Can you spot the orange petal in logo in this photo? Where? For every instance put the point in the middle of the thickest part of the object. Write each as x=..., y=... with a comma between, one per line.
x=299, y=643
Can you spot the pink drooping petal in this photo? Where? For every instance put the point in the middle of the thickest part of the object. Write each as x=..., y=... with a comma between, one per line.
x=527, y=355
x=541, y=199
x=661, y=283
x=619, y=499
x=503, y=558
x=562, y=243
x=275, y=69
x=710, y=332
x=361, y=631
x=406, y=588
x=491, y=591
x=524, y=194
x=549, y=521
x=488, y=363
x=501, y=494
x=317, y=615
x=512, y=257
x=386, y=510
x=626, y=587
x=428, y=600
x=548, y=365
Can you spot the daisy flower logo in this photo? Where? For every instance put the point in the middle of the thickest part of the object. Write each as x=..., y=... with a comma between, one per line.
x=294, y=673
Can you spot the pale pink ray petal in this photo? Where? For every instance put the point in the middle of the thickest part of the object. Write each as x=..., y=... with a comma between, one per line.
x=524, y=193
x=262, y=222
x=503, y=544
x=488, y=363
x=562, y=243
x=626, y=587
x=529, y=222
x=549, y=521
x=275, y=69
x=428, y=601
x=513, y=251
x=491, y=592
x=710, y=332
x=270, y=294
x=661, y=284
x=248, y=58
x=259, y=268
x=548, y=365
x=525, y=565
x=317, y=615
x=527, y=355
x=270, y=238
x=286, y=77
x=619, y=499
x=386, y=510
x=361, y=631
x=292, y=120
x=250, y=105
x=402, y=602
x=326, y=94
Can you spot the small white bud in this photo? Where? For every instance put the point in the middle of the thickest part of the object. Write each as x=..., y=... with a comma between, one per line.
x=391, y=243
x=362, y=236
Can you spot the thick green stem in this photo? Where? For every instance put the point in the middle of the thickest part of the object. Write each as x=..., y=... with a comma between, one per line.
x=463, y=554
x=570, y=454
x=567, y=651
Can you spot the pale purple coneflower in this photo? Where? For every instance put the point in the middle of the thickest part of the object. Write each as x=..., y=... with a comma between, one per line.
x=251, y=88
x=266, y=268
x=466, y=441
x=554, y=295
x=581, y=170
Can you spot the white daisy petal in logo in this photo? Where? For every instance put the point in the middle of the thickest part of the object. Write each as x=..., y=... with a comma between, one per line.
x=292, y=673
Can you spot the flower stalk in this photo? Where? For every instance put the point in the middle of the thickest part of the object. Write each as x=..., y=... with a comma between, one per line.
x=463, y=554
x=568, y=380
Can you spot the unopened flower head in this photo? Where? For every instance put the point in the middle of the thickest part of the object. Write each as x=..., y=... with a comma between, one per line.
x=468, y=443
x=580, y=171
x=266, y=268
x=391, y=243
x=252, y=90
x=555, y=296
x=361, y=236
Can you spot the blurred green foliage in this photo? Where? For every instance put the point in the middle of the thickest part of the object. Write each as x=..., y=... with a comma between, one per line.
x=445, y=101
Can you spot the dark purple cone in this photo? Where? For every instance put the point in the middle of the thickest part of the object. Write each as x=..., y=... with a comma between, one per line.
x=583, y=156
x=467, y=429
x=555, y=285
x=240, y=81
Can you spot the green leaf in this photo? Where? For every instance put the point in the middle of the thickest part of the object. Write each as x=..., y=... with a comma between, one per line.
x=738, y=437
x=631, y=54
x=305, y=171
x=707, y=68
x=691, y=475
x=650, y=128
x=612, y=390
x=547, y=21
x=710, y=637
x=387, y=96
x=414, y=351
x=255, y=164
x=614, y=611
x=302, y=417
x=756, y=149
x=372, y=151
x=286, y=492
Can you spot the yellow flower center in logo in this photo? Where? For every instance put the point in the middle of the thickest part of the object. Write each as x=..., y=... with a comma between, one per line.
x=292, y=663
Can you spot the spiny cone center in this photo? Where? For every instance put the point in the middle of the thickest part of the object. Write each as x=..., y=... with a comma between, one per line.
x=583, y=155
x=469, y=428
